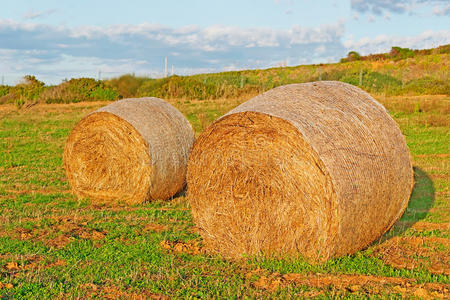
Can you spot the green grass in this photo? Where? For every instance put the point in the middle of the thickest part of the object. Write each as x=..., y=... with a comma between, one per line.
x=37, y=209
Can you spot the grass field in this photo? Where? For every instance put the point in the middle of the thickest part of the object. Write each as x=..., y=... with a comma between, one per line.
x=53, y=245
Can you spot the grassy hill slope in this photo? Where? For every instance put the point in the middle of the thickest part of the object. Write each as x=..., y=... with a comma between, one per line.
x=402, y=71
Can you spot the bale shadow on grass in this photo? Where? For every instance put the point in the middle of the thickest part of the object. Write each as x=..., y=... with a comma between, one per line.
x=421, y=200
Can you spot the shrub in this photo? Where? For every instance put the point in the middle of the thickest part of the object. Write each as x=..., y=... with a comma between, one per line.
x=4, y=90
x=77, y=90
x=29, y=89
x=126, y=85
x=179, y=87
x=375, y=82
x=398, y=53
x=351, y=56
x=427, y=86
x=151, y=88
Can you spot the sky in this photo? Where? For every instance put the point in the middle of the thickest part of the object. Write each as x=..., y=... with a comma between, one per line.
x=61, y=39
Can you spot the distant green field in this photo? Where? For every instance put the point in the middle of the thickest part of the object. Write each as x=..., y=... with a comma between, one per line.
x=400, y=72
x=53, y=245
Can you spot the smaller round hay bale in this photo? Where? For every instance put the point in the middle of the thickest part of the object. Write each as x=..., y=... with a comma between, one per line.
x=132, y=150
x=318, y=168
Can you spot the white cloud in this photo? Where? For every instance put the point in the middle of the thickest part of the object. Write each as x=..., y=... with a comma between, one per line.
x=31, y=14
x=383, y=43
x=443, y=10
x=320, y=50
x=55, y=52
x=377, y=7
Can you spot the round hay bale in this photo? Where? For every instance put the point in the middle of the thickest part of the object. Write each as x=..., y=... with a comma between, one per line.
x=318, y=168
x=132, y=150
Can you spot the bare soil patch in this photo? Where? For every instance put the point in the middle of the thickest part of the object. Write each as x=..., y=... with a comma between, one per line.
x=63, y=230
x=430, y=253
x=191, y=247
x=360, y=284
x=113, y=292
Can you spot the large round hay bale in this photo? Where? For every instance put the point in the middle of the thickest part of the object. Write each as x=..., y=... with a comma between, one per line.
x=132, y=150
x=318, y=168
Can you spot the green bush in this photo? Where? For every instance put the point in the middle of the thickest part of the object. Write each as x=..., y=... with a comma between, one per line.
x=398, y=53
x=4, y=90
x=375, y=82
x=102, y=93
x=151, y=88
x=427, y=86
x=351, y=56
x=126, y=85
x=29, y=89
x=179, y=87
x=77, y=90
x=337, y=75
x=234, y=79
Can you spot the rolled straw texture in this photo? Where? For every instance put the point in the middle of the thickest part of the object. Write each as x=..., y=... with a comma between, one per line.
x=133, y=150
x=319, y=169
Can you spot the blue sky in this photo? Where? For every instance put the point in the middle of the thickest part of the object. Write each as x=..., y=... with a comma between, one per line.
x=55, y=40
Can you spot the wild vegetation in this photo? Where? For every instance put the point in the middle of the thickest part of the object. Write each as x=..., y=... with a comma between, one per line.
x=77, y=90
x=32, y=90
x=402, y=71
x=53, y=245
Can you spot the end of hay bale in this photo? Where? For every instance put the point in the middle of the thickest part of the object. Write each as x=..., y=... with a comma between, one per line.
x=254, y=200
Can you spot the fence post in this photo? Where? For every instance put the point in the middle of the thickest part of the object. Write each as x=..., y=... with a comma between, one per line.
x=360, y=77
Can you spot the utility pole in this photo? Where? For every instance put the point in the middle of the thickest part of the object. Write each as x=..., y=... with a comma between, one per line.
x=165, y=66
x=360, y=77
x=172, y=70
x=99, y=75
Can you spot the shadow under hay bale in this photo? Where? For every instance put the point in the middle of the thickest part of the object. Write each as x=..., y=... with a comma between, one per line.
x=318, y=168
x=132, y=150
x=420, y=203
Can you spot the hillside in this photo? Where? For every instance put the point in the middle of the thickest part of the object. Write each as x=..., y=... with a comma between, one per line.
x=402, y=71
